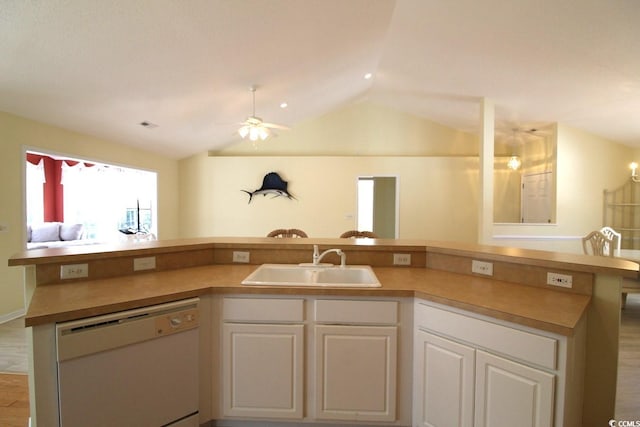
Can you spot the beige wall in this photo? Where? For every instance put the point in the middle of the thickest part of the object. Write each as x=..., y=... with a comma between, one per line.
x=362, y=129
x=586, y=166
x=437, y=168
x=17, y=133
x=437, y=195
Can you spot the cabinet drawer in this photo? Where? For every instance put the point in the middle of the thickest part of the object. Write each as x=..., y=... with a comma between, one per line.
x=532, y=348
x=356, y=312
x=263, y=310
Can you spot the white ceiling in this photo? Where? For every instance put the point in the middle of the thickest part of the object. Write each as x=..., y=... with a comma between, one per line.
x=102, y=67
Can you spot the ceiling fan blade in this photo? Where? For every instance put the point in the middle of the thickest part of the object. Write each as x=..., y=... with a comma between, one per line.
x=275, y=126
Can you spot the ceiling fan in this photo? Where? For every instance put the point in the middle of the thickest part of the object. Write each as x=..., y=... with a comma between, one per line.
x=519, y=133
x=254, y=127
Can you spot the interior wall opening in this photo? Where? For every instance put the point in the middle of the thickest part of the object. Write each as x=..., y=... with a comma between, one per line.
x=111, y=202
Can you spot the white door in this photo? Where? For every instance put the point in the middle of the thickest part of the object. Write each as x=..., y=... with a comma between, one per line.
x=263, y=370
x=537, y=197
x=356, y=372
x=444, y=382
x=511, y=394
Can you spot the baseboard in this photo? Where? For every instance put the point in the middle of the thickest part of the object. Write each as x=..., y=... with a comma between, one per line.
x=13, y=315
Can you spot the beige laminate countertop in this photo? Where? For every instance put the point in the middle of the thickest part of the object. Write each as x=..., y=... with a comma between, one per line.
x=540, y=308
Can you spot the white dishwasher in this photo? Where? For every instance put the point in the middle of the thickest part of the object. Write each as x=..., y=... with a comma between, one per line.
x=135, y=368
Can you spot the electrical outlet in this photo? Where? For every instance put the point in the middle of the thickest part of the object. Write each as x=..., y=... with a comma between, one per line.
x=556, y=279
x=146, y=263
x=482, y=267
x=239, y=256
x=74, y=271
x=401, y=259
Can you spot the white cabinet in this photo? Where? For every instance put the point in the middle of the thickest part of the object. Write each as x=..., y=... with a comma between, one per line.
x=444, y=382
x=311, y=359
x=510, y=393
x=263, y=362
x=471, y=371
x=355, y=360
x=355, y=372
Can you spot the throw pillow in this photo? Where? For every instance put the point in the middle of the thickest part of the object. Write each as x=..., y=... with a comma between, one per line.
x=47, y=232
x=71, y=231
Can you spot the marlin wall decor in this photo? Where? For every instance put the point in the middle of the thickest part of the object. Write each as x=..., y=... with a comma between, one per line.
x=272, y=183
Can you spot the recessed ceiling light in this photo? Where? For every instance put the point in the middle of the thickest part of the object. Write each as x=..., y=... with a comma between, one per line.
x=284, y=105
x=368, y=76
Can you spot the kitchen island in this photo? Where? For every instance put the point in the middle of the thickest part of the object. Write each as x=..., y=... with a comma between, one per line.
x=439, y=273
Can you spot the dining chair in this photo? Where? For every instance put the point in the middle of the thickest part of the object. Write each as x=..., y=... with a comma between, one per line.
x=611, y=233
x=287, y=232
x=597, y=243
x=356, y=234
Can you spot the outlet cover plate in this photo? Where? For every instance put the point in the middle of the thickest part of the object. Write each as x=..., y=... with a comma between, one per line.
x=557, y=279
x=401, y=259
x=145, y=263
x=241, y=256
x=74, y=271
x=482, y=267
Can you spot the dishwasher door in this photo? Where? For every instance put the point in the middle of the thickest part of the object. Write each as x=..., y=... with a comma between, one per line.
x=134, y=368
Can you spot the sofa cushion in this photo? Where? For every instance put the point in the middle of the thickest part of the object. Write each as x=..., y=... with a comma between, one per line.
x=46, y=232
x=71, y=231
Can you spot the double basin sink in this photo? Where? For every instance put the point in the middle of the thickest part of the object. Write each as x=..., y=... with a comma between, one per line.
x=349, y=276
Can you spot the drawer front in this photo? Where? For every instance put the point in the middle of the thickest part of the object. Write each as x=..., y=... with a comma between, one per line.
x=356, y=312
x=263, y=310
x=532, y=348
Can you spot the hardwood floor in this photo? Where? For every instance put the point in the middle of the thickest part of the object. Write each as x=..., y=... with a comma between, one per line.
x=14, y=389
x=14, y=397
x=14, y=400
x=628, y=396
x=13, y=347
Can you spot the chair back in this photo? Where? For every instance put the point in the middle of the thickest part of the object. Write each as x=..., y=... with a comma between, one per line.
x=356, y=234
x=597, y=243
x=611, y=233
x=290, y=232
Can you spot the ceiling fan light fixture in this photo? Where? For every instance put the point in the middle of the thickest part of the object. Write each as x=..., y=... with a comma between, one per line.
x=243, y=131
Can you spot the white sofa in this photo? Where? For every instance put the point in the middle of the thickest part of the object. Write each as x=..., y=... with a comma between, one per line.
x=55, y=235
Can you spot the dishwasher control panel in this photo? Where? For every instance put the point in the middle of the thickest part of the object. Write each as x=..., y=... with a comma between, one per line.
x=176, y=321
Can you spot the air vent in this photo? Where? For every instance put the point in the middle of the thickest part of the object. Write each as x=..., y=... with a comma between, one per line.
x=148, y=125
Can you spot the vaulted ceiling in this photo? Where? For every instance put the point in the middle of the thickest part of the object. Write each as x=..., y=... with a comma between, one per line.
x=103, y=67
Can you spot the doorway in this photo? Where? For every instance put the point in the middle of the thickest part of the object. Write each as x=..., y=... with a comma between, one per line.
x=378, y=205
x=536, y=197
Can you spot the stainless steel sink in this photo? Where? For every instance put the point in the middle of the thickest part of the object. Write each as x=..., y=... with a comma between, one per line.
x=350, y=276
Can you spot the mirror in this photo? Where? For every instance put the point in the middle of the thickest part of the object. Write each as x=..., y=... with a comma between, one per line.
x=524, y=178
x=378, y=205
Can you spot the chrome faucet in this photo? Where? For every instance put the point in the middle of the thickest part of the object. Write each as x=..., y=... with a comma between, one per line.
x=317, y=256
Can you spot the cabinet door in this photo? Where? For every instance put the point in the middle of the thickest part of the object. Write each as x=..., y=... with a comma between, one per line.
x=355, y=377
x=509, y=393
x=444, y=382
x=263, y=370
